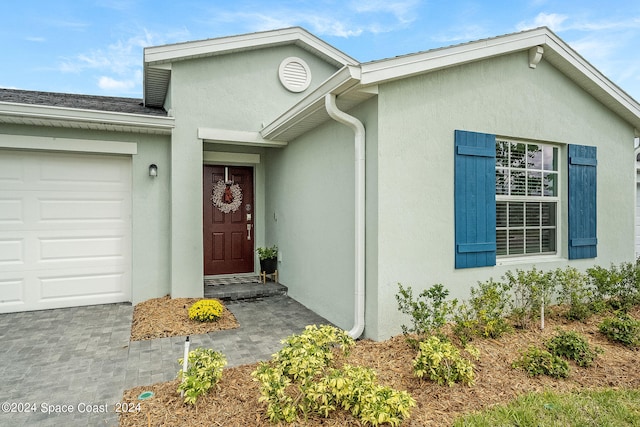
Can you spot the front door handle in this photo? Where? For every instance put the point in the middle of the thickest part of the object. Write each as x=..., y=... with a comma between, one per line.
x=248, y=231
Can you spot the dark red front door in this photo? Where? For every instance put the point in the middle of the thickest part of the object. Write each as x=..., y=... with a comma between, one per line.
x=228, y=219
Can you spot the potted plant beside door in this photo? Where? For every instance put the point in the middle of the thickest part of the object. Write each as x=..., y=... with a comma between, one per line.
x=268, y=261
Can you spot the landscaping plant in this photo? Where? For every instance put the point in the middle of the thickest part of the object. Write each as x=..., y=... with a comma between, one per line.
x=575, y=291
x=429, y=312
x=622, y=328
x=617, y=288
x=532, y=291
x=535, y=361
x=573, y=346
x=206, y=310
x=484, y=314
x=300, y=379
x=204, y=370
x=441, y=361
x=356, y=389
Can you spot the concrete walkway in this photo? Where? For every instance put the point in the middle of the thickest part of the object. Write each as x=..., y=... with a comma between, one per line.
x=70, y=366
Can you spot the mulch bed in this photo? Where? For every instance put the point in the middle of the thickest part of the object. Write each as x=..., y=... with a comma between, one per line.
x=169, y=317
x=235, y=401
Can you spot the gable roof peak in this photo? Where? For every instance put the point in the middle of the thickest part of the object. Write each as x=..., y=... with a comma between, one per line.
x=155, y=55
x=158, y=59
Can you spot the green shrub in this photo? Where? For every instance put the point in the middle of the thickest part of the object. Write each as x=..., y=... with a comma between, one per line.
x=300, y=362
x=536, y=362
x=355, y=389
x=575, y=291
x=465, y=323
x=204, y=370
x=304, y=355
x=429, y=312
x=484, y=315
x=623, y=329
x=206, y=310
x=440, y=361
x=617, y=287
x=300, y=380
x=573, y=346
x=630, y=278
x=530, y=289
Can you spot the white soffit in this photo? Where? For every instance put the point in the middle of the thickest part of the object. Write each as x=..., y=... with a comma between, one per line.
x=210, y=157
x=237, y=137
x=310, y=111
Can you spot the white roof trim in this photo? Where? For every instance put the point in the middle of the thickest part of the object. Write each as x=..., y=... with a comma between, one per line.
x=405, y=66
x=82, y=118
x=24, y=142
x=556, y=51
x=158, y=59
x=237, y=137
x=341, y=81
x=350, y=86
x=181, y=51
x=221, y=157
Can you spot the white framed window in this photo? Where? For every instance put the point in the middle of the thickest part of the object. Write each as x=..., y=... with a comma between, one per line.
x=527, y=181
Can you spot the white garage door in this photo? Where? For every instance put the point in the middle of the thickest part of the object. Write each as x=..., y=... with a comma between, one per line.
x=65, y=230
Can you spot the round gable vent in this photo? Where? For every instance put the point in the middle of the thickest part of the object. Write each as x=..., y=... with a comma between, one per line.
x=294, y=74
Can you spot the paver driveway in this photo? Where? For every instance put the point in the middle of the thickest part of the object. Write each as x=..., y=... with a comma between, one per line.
x=69, y=367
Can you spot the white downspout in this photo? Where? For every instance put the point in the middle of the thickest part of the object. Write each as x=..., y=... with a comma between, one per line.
x=358, y=129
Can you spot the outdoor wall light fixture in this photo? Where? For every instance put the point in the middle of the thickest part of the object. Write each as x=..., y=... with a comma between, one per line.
x=153, y=170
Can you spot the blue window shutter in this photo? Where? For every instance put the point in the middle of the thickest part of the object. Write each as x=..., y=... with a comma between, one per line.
x=582, y=202
x=475, y=199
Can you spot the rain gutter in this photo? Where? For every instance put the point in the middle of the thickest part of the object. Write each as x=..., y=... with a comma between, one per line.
x=359, y=141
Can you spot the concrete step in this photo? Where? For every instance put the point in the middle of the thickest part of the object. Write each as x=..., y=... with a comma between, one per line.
x=247, y=289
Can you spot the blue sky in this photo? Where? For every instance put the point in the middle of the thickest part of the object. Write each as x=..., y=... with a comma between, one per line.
x=95, y=46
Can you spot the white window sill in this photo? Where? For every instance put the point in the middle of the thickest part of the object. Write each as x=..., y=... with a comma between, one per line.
x=540, y=259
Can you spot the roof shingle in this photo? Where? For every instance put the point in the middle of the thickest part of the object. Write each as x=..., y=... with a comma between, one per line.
x=85, y=102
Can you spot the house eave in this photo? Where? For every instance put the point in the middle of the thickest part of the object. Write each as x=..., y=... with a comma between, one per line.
x=386, y=70
x=556, y=52
x=158, y=59
x=156, y=55
x=310, y=111
x=236, y=137
x=37, y=115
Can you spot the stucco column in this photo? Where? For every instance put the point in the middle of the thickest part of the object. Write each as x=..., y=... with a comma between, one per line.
x=186, y=215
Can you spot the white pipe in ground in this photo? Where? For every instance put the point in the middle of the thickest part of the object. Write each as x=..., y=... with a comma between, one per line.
x=185, y=362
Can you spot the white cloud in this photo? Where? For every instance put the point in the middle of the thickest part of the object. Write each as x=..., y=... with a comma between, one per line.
x=594, y=47
x=353, y=19
x=558, y=22
x=109, y=84
x=470, y=33
x=403, y=11
x=66, y=24
x=552, y=20
x=119, y=61
x=36, y=39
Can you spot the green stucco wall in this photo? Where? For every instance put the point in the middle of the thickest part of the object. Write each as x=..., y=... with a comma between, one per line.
x=232, y=92
x=311, y=216
x=503, y=96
